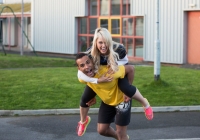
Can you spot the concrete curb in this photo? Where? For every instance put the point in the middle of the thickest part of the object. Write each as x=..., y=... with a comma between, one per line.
x=91, y=111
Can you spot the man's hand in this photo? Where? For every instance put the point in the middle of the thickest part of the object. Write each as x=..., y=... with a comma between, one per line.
x=91, y=102
x=126, y=99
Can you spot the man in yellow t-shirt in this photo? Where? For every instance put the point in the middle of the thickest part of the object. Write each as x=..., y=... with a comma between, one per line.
x=107, y=91
x=112, y=107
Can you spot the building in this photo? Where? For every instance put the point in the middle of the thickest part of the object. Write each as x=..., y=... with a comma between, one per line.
x=67, y=27
x=10, y=22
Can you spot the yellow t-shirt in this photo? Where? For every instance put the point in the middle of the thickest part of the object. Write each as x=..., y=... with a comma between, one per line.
x=109, y=92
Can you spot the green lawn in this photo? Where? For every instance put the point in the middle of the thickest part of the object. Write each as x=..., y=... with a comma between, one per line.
x=32, y=82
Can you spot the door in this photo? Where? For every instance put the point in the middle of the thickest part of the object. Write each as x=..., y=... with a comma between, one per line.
x=193, y=37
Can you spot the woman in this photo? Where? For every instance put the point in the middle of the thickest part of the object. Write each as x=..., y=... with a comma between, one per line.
x=106, y=52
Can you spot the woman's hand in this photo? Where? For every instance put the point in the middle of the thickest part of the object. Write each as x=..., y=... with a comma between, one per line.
x=91, y=102
x=104, y=79
x=126, y=99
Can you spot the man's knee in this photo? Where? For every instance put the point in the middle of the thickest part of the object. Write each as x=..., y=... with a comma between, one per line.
x=101, y=131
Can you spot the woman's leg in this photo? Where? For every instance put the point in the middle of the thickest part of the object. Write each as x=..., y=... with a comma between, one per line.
x=131, y=91
x=129, y=70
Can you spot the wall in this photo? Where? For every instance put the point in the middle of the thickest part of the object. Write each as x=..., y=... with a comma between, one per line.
x=53, y=25
x=15, y=1
x=172, y=27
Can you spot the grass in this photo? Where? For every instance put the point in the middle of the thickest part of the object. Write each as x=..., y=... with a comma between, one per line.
x=17, y=61
x=31, y=82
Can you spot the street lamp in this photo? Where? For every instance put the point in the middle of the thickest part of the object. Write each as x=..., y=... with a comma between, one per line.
x=157, y=47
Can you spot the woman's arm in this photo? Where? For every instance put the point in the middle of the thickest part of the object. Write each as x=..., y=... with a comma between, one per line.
x=88, y=79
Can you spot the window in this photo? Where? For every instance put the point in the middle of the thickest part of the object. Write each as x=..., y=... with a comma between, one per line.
x=115, y=7
x=115, y=16
x=83, y=27
x=105, y=7
x=126, y=7
x=139, y=47
x=93, y=7
x=128, y=26
x=112, y=24
x=115, y=27
x=104, y=22
x=92, y=25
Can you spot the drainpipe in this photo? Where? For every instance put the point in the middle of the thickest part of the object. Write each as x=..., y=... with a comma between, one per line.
x=9, y=32
x=22, y=26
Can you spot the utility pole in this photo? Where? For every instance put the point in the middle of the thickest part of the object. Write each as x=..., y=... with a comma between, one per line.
x=157, y=47
x=22, y=28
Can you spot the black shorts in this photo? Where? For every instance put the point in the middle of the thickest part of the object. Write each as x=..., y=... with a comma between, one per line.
x=120, y=114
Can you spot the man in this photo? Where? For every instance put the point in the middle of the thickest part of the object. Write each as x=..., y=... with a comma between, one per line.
x=111, y=97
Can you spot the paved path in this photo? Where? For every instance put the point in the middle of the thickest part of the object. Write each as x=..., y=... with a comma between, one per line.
x=169, y=125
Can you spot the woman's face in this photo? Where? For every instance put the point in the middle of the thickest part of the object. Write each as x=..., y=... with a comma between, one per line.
x=101, y=46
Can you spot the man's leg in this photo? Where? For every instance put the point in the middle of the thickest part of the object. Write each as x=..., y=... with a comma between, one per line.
x=123, y=116
x=83, y=113
x=106, y=116
x=106, y=130
x=88, y=95
x=121, y=132
x=85, y=120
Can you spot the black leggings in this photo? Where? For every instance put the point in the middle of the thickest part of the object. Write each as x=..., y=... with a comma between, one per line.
x=124, y=86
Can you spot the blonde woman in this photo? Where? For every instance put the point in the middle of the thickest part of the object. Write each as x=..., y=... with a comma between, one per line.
x=104, y=51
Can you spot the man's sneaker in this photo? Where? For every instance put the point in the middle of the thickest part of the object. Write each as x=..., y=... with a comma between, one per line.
x=148, y=111
x=81, y=128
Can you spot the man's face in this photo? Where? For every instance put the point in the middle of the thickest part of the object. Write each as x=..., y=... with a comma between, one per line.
x=85, y=65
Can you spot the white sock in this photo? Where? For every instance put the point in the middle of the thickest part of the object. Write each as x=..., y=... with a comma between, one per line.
x=147, y=106
x=82, y=122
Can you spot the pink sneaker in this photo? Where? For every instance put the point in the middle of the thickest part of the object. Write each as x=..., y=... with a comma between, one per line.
x=81, y=128
x=148, y=111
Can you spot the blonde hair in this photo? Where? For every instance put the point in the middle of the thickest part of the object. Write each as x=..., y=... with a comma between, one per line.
x=112, y=55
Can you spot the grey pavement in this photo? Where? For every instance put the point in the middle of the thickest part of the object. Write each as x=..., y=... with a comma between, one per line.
x=165, y=126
